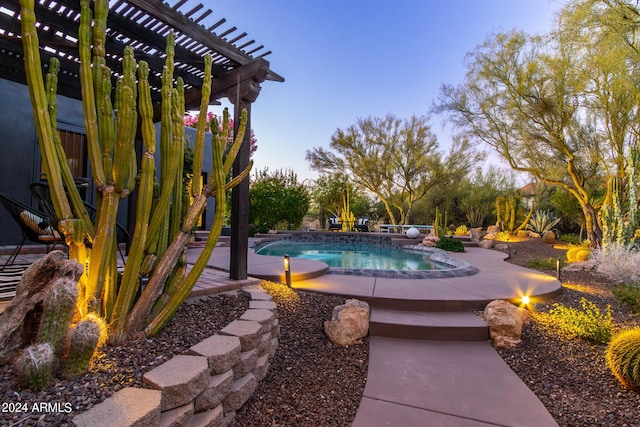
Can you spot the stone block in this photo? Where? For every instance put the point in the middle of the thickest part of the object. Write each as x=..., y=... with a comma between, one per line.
x=181, y=379
x=118, y=410
x=274, y=347
x=222, y=352
x=275, y=329
x=264, y=344
x=228, y=418
x=264, y=317
x=211, y=418
x=177, y=417
x=257, y=293
x=216, y=391
x=247, y=330
x=241, y=391
x=263, y=305
x=262, y=366
x=247, y=363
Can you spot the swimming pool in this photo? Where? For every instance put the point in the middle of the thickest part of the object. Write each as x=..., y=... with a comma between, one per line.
x=354, y=256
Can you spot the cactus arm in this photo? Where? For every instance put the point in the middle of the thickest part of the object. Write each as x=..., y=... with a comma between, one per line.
x=103, y=246
x=198, y=152
x=527, y=219
x=186, y=285
x=233, y=151
x=88, y=96
x=130, y=284
x=127, y=120
x=178, y=145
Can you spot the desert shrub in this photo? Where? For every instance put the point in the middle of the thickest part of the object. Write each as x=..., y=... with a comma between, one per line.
x=461, y=230
x=588, y=323
x=449, y=244
x=628, y=295
x=571, y=238
x=623, y=358
x=619, y=263
x=578, y=253
x=503, y=236
x=542, y=264
x=541, y=222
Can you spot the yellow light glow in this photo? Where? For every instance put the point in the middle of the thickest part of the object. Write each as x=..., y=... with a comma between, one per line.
x=526, y=300
x=286, y=263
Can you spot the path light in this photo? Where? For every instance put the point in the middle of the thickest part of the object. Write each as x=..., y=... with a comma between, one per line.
x=287, y=270
x=558, y=270
x=526, y=300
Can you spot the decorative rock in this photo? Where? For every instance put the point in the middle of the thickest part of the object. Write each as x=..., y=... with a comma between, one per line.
x=241, y=390
x=485, y=244
x=181, y=379
x=21, y=317
x=349, y=322
x=274, y=347
x=493, y=229
x=216, y=391
x=590, y=265
x=477, y=234
x=118, y=410
x=247, y=330
x=212, y=418
x=221, y=351
x=535, y=235
x=505, y=322
x=177, y=417
x=501, y=246
x=412, y=233
x=246, y=364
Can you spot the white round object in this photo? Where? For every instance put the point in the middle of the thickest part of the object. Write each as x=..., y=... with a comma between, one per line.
x=413, y=233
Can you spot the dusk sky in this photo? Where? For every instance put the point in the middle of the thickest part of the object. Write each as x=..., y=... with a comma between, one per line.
x=344, y=60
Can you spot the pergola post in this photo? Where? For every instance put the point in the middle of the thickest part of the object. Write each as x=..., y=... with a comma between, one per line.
x=242, y=96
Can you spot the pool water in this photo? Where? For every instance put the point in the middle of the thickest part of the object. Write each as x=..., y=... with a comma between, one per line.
x=337, y=255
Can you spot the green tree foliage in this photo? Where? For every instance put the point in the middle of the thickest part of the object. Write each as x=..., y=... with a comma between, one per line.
x=397, y=160
x=563, y=106
x=277, y=199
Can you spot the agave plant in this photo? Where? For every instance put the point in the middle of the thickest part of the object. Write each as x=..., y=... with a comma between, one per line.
x=541, y=222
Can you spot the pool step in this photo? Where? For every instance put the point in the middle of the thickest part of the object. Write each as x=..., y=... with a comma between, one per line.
x=441, y=326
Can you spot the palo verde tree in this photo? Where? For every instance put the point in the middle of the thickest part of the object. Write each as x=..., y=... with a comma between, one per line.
x=161, y=229
x=562, y=107
x=397, y=160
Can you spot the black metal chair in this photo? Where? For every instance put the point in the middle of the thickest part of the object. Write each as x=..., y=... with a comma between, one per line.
x=334, y=223
x=41, y=193
x=362, y=224
x=33, y=224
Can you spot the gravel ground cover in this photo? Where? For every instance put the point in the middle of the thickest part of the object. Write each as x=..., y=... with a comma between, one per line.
x=312, y=382
x=569, y=375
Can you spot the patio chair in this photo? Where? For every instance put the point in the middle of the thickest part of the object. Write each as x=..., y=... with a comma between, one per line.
x=33, y=224
x=334, y=223
x=41, y=193
x=362, y=224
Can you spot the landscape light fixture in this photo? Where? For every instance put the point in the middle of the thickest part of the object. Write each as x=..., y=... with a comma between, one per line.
x=558, y=270
x=287, y=270
x=526, y=300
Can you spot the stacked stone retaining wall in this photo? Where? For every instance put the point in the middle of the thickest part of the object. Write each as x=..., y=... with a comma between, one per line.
x=206, y=385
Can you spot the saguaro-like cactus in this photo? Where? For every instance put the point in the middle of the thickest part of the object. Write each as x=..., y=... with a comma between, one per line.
x=162, y=227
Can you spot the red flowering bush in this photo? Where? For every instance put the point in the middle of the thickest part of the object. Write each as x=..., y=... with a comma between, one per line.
x=192, y=121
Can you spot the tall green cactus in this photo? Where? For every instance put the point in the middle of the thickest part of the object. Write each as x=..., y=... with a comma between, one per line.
x=163, y=226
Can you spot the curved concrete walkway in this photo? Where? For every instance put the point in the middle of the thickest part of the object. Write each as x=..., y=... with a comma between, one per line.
x=417, y=382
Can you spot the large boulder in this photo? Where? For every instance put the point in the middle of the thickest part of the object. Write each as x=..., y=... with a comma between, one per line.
x=349, y=322
x=477, y=234
x=485, y=244
x=430, y=240
x=21, y=318
x=505, y=322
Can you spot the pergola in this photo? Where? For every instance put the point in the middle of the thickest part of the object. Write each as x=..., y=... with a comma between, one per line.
x=238, y=70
